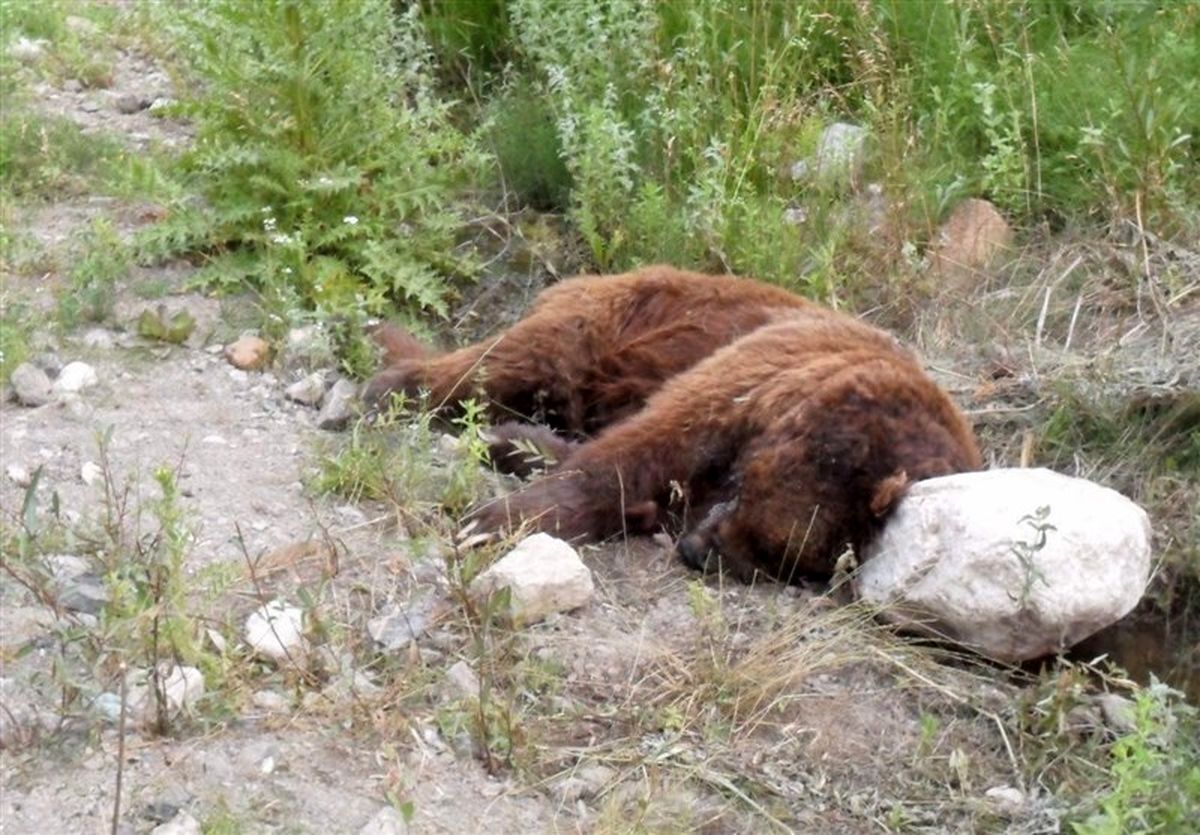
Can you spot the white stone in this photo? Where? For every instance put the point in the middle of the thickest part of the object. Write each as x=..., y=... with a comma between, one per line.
x=32, y=386
x=19, y=475
x=91, y=472
x=544, y=575
x=960, y=559
x=181, y=687
x=1006, y=800
x=387, y=821
x=181, y=824
x=463, y=679
x=308, y=391
x=75, y=377
x=337, y=407
x=276, y=631
x=270, y=701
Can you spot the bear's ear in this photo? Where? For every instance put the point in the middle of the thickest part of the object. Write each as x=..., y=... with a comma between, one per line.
x=642, y=517
x=888, y=492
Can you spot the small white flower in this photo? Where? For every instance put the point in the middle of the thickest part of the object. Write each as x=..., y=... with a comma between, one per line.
x=281, y=239
x=266, y=210
x=269, y=224
x=350, y=220
x=287, y=270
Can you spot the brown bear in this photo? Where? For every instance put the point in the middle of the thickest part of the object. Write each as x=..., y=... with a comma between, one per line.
x=772, y=431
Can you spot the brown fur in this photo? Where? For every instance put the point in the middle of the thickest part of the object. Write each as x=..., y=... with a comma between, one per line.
x=591, y=350
x=794, y=439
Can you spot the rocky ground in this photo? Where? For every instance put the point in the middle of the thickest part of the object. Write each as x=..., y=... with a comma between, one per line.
x=666, y=703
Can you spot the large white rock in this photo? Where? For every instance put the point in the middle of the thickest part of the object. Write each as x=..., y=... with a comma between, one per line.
x=276, y=631
x=961, y=558
x=544, y=575
x=75, y=377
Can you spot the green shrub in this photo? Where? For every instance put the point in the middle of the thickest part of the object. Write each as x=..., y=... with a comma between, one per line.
x=1155, y=770
x=326, y=164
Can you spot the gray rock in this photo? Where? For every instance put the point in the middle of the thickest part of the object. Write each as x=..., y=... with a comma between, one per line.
x=181, y=824
x=585, y=783
x=270, y=701
x=402, y=625
x=543, y=574
x=1119, y=712
x=1016, y=564
x=168, y=803
x=182, y=687
x=1006, y=800
x=98, y=338
x=308, y=391
x=129, y=103
x=89, y=106
x=308, y=346
x=31, y=384
x=462, y=679
x=75, y=377
x=108, y=706
x=387, y=821
x=73, y=85
x=338, y=406
x=49, y=362
x=85, y=593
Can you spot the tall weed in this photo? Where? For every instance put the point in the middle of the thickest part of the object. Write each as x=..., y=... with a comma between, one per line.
x=326, y=162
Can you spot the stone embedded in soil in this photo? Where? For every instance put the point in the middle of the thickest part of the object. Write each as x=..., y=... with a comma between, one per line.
x=1119, y=712
x=338, y=406
x=98, y=338
x=387, y=821
x=543, y=574
x=73, y=85
x=962, y=558
x=270, y=701
x=276, y=631
x=181, y=824
x=972, y=238
x=308, y=391
x=85, y=593
x=401, y=625
x=49, y=362
x=181, y=688
x=19, y=475
x=586, y=782
x=75, y=377
x=463, y=679
x=1005, y=800
x=31, y=384
x=249, y=353
x=130, y=103
x=308, y=346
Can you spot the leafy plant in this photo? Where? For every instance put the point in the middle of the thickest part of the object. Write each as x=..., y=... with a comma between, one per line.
x=1155, y=770
x=105, y=259
x=326, y=170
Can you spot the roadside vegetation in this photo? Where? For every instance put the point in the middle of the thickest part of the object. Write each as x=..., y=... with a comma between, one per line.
x=465, y=146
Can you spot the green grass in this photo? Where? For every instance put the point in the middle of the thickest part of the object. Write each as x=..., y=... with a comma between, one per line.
x=677, y=121
x=327, y=173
